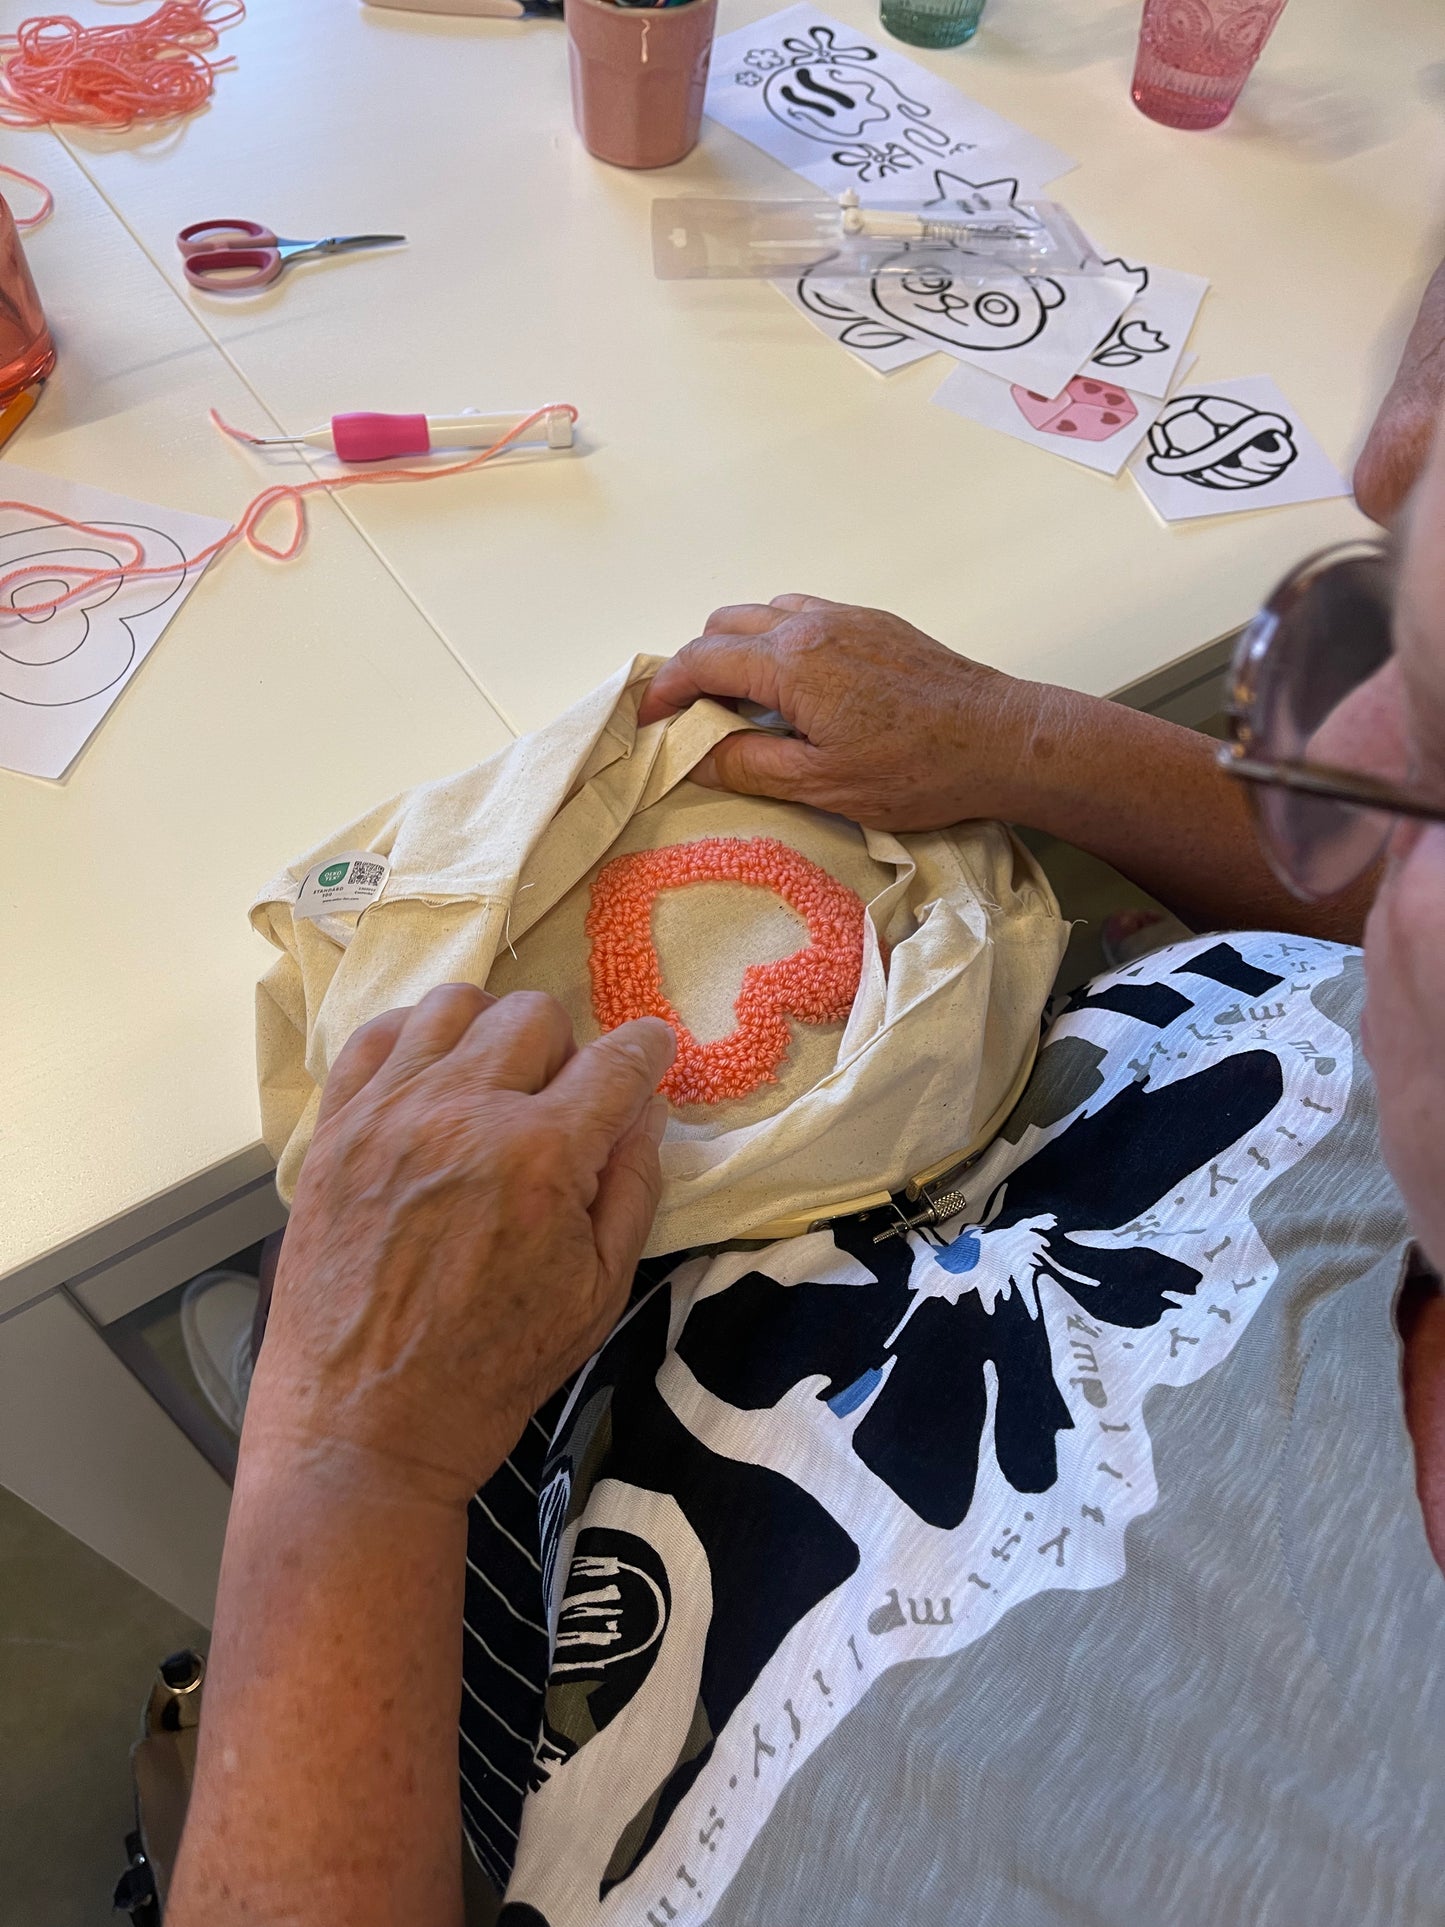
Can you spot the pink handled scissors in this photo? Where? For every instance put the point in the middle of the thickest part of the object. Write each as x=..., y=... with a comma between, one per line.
x=233, y=257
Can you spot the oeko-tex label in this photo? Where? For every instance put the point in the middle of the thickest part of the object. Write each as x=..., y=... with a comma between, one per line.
x=342, y=883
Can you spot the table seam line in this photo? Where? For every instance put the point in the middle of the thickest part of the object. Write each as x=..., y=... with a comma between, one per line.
x=200, y=320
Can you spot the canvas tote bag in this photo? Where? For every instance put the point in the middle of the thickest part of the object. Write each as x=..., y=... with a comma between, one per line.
x=489, y=882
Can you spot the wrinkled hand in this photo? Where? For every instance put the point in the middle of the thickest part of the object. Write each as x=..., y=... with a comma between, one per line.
x=892, y=729
x=463, y=1235
x=1395, y=451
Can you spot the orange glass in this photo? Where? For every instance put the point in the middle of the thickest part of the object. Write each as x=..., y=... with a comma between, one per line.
x=27, y=353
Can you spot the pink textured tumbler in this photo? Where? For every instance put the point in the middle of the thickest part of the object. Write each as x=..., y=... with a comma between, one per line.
x=1195, y=56
x=27, y=353
x=638, y=78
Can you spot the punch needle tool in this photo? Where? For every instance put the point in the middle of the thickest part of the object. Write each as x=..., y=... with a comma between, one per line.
x=378, y=438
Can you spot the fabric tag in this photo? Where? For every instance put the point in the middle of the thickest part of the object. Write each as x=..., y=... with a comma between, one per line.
x=349, y=883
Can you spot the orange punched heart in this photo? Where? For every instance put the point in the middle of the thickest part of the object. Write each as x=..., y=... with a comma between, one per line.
x=817, y=984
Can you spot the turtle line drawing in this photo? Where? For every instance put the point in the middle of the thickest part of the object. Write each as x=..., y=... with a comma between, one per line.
x=1219, y=443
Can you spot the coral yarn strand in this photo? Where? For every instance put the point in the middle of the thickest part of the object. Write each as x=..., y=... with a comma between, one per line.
x=47, y=199
x=292, y=494
x=817, y=984
x=56, y=72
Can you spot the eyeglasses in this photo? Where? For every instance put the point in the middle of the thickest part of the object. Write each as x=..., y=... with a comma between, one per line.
x=1307, y=674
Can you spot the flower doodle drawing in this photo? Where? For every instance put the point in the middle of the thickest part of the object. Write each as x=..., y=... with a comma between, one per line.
x=1131, y=338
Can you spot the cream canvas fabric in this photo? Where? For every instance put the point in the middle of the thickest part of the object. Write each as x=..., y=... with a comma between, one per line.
x=490, y=877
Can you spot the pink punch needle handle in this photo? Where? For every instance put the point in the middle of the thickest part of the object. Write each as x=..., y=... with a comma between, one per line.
x=373, y=438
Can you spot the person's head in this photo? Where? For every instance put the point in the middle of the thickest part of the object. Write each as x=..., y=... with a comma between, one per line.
x=1338, y=699
x=1405, y=936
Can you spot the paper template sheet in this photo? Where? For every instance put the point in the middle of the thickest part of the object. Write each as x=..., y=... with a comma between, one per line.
x=1038, y=329
x=1035, y=330
x=1144, y=347
x=61, y=673
x=843, y=111
x=1229, y=447
x=1096, y=423
x=843, y=310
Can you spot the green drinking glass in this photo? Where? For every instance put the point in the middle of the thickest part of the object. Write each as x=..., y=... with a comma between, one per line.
x=931, y=23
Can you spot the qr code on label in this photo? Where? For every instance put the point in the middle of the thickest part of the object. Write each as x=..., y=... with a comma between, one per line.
x=366, y=876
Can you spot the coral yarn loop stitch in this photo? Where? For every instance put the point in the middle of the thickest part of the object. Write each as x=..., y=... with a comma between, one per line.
x=816, y=985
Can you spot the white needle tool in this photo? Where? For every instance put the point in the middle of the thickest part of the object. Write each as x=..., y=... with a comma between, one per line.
x=377, y=438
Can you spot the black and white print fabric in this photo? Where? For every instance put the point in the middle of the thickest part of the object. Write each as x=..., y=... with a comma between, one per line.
x=790, y=1469
x=505, y=1649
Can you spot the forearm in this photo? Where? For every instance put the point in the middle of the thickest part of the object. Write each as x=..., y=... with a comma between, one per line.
x=1148, y=797
x=463, y=1235
x=326, y=1789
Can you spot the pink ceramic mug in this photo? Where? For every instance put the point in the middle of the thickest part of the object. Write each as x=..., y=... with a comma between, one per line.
x=638, y=78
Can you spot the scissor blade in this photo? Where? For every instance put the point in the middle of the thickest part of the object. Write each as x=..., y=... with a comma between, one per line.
x=343, y=243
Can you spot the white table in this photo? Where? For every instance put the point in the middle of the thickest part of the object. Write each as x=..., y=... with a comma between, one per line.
x=727, y=453
x=279, y=702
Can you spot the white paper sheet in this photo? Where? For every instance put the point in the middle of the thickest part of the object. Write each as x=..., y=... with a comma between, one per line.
x=1094, y=422
x=843, y=311
x=61, y=673
x=1144, y=347
x=843, y=111
x=1230, y=447
x=1038, y=330
x=1033, y=329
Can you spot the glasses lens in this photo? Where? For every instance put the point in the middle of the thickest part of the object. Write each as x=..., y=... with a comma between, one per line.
x=1325, y=696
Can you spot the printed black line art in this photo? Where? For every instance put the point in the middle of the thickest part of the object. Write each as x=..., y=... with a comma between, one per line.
x=1130, y=342
x=1222, y=444
x=934, y=303
x=816, y=88
x=1127, y=342
x=975, y=197
x=66, y=656
x=835, y=95
x=1008, y=313
x=854, y=330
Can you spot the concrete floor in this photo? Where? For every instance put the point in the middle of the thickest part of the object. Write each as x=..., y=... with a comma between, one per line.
x=79, y=1644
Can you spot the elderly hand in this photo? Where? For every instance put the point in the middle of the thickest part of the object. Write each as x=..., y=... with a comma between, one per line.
x=893, y=730
x=463, y=1236
x=1399, y=441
